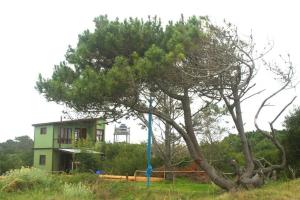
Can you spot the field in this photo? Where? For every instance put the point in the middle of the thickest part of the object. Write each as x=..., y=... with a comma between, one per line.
x=36, y=185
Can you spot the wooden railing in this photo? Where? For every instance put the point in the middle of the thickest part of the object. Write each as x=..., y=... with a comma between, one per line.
x=165, y=171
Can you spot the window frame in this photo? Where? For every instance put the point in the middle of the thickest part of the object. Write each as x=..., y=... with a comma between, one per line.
x=42, y=160
x=65, y=136
x=99, y=135
x=43, y=130
x=80, y=134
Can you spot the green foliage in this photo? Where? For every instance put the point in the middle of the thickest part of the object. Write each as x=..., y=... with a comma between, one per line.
x=122, y=158
x=180, y=189
x=16, y=153
x=119, y=158
x=292, y=140
x=111, y=65
x=221, y=152
x=275, y=190
x=88, y=161
x=63, y=188
x=25, y=178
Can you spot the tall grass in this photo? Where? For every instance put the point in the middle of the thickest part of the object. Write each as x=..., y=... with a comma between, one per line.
x=77, y=191
x=25, y=178
x=280, y=190
x=42, y=185
x=35, y=184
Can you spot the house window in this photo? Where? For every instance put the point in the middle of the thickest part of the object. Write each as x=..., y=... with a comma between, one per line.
x=99, y=135
x=42, y=159
x=80, y=133
x=43, y=130
x=65, y=136
x=68, y=135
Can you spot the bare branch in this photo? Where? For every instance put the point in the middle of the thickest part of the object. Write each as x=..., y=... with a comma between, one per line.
x=259, y=92
x=285, y=107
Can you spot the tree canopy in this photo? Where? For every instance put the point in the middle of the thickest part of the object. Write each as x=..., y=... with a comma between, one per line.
x=16, y=153
x=292, y=140
x=115, y=69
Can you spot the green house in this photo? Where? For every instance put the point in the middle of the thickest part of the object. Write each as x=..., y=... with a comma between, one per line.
x=56, y=143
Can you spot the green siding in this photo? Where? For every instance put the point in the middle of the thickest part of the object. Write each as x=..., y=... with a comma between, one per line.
x=90, y=127
x=100, y=124
x=43, y=140
x=48, y=154
x=55, y=160
x=47, y=144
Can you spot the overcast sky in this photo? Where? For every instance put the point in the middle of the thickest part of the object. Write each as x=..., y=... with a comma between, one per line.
x=34, y=36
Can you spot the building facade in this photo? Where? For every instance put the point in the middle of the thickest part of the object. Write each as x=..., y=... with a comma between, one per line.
x=56, y=143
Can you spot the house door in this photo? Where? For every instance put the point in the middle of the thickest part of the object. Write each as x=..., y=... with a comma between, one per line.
x=83, y=133
x=65, y=162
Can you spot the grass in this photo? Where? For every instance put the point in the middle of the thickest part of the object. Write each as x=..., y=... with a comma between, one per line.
x=34, y=184
x=289, y=190
x=181, y=189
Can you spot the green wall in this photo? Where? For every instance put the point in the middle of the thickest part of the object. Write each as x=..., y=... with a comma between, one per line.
x=43, y=140
x=50, y=139
x=91, y=130
x=100, y=124
x=36, y=160
x=56, y=160
x=47, y=144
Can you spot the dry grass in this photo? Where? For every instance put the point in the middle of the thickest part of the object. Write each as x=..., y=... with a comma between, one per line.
x=32, y=184
x=273, y=191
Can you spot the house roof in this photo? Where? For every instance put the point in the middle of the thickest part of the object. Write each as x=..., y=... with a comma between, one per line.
x=74, y=151
x=66, y=121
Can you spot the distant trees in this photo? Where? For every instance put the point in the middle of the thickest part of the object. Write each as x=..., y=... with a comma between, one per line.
x=230, y=149
x=292, y=141
x=120, y=158
x=16, y=153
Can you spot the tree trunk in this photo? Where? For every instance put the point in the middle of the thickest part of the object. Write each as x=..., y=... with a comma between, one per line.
x=168, y=156
x=196, y=153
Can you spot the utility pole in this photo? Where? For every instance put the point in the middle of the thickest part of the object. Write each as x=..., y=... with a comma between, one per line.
x=149, y=167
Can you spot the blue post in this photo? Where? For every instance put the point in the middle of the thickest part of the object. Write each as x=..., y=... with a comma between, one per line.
x=149, y=167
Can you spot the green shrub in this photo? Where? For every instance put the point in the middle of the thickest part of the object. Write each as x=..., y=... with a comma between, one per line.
x=88, y=162
x=25, y=178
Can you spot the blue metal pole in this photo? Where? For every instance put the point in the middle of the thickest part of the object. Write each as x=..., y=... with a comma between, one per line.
x=149, y=167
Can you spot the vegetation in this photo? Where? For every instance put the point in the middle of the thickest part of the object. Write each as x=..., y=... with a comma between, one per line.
x=273, y=191
x=30, y=181
x=120, y=158
x=292, y=142
x=16, y=153
x=117, y=68
x=263, y=150
x=37, y=184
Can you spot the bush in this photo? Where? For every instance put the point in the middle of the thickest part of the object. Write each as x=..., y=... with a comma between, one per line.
x=24, y=178
x=88, y=162
x=122, y=158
